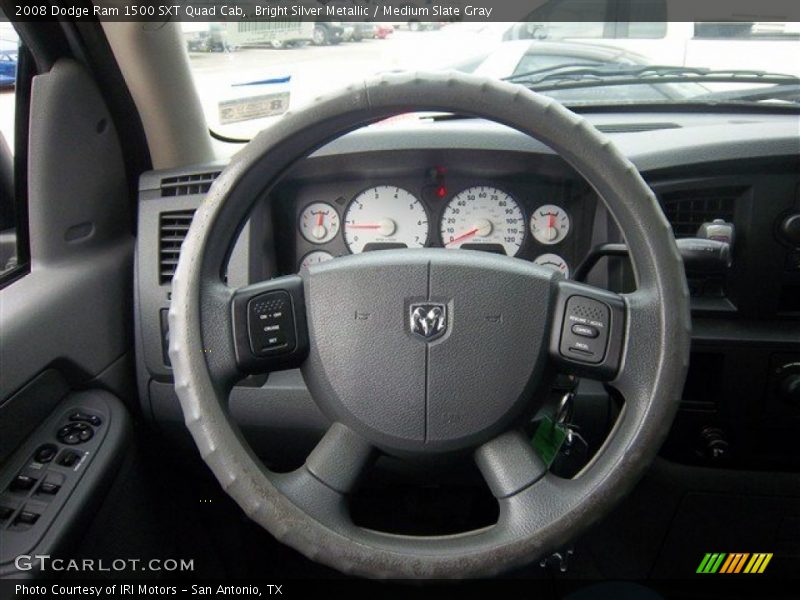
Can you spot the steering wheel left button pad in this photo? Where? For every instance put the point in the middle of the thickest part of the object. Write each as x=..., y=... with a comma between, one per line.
x=269, y=325
x=270, y=320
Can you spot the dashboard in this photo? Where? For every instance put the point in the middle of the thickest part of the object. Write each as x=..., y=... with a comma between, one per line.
x=498, y=203
x=467, y=183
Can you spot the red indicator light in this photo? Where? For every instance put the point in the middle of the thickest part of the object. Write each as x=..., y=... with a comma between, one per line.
x=441, y=191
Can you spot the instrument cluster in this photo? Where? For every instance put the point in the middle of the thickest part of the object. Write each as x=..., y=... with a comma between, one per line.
x=531, y=220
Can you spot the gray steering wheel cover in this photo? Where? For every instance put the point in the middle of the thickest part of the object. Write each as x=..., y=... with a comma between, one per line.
x=555, y=510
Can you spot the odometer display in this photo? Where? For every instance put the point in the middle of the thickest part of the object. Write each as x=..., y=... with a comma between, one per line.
x=483, y=215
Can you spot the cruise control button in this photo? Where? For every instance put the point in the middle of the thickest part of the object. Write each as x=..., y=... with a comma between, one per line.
x=585, y=331
x=582, y=351
x=271, y=323
x=584, y=334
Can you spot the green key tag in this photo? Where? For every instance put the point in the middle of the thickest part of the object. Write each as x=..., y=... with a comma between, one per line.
x=548, y=439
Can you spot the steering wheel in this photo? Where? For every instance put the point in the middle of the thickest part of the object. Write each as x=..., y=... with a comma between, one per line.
x=422, y=352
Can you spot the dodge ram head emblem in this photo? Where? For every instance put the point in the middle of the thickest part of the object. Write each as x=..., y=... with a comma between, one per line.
x=428, y=320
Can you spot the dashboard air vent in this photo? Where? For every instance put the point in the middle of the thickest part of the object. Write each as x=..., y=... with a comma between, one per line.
x=686, y=210
x=635, y=127
x=186, y=185
x=172, y=230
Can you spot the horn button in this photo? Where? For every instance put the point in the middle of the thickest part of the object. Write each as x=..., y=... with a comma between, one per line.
x=427, y=350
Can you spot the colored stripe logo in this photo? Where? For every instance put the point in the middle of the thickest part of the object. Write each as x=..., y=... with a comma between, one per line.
x=735, y=562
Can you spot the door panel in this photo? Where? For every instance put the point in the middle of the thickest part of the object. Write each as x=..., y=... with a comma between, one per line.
x=74, y=307
x=66, y=324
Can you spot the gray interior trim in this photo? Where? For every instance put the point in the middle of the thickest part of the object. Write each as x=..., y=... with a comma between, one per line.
x=75, y=302
x=725, y=139
x=153, y=60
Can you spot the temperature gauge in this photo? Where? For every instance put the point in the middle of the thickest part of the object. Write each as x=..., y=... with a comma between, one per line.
x=549, y=224
x=553, y=261
x=314, y=258
x=319, y=223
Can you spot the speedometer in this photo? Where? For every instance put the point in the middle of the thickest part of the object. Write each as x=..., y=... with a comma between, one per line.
x=483, y=218
x=385, y=217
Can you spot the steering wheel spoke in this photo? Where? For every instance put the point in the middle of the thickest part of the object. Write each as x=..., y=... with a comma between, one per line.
x=588, y=331
x=340, y=458
x=269, y=325
x=330, y=472
x=509, y=464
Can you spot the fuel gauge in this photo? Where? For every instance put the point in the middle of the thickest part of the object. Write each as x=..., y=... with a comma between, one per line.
x=319, y=223
x=549, y=224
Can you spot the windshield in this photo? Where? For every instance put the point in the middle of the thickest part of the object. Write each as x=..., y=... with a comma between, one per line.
x=250, y=73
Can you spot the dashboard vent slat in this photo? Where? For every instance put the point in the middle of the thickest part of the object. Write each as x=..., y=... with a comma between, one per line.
x=187, y=185
x=172, y=230
x=686, y=210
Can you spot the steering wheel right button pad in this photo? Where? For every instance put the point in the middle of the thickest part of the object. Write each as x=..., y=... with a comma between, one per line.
x=588, y=331
x=584, y=334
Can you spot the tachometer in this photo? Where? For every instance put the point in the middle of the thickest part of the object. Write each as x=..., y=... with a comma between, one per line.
x=483, y=218
x=385, y=217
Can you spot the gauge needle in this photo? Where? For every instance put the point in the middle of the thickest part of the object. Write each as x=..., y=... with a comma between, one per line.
x=464, y=236
x=319, y=230
x=551, y=220
x=386, y=227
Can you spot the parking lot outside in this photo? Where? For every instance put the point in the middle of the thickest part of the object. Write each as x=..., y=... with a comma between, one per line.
x=315, y=70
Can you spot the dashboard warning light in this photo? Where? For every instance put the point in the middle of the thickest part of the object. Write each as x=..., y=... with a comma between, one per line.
x=441, y=191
